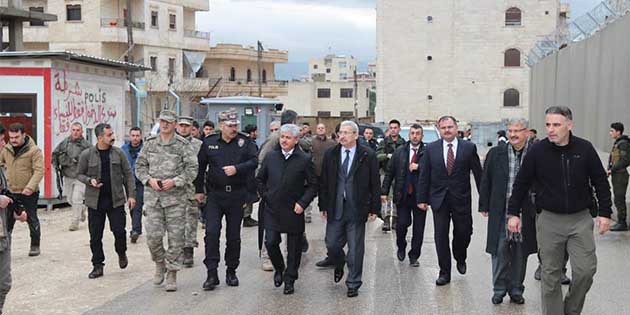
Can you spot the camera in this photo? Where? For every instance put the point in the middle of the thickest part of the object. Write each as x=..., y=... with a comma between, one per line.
x=16, y=206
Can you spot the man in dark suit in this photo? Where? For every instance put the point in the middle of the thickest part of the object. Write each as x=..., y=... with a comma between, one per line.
x=509, y=250
x=403, y=170
x=349, y=195
x=445, y=185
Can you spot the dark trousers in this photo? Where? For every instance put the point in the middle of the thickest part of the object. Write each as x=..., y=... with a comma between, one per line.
x=410, y=215
x=338, y=234
x=508, y=267
x=620, y=187
x=30, y=205
x=294, y=253
x=462, y=232
x=136, y=212
x=230, y=205
x=96, y=225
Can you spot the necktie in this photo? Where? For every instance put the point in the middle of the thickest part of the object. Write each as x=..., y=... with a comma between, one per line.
x=450, y=160
x=413, y=160
x=346, y=161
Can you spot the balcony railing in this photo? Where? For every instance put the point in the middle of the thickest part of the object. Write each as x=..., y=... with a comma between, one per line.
x=197, y=34
x=119, y=22
x=252, y=82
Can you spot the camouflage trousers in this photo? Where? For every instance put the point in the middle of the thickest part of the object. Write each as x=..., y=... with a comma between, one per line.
x=159, y=222
x=192, y=220
x=620, y=187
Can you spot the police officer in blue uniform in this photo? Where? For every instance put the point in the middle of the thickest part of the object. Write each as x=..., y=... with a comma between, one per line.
x=227, y=160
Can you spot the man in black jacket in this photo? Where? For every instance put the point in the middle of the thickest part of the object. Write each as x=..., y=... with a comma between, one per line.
x=348, y=197
x=281, y=181
x=445, y=185
x=562, y=169
x=509, y=250
x=403, y=170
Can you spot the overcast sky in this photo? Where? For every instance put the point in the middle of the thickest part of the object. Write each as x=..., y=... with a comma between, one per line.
x=306, y=28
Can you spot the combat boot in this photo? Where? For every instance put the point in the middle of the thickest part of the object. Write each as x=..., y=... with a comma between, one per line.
x=160, y=270
x=171, y=281
x=188, y=257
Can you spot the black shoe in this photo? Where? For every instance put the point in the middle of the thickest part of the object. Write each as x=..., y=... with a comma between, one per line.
x=338, y=274
x=212, y=281
x=497, y=299
x=517, y=299
x=324, y=263
x=304, y=244
x=34, y=251
x=231, y=279
x=97, y=272
x=277, y=278
x=386, y=227
x=249, y=222
x=353, y=293
x=401, y=255
x=134, y=237
x=123, y=261
x=414, y=263
x=619, y=226
x=188, y=257
x=565, y=280
x=288, y=288
x=537, y=273
x=442, y=280
x=394, y=223
x=461, y=268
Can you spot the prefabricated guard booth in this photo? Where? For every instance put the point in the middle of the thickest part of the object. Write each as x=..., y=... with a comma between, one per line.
x=49, y=91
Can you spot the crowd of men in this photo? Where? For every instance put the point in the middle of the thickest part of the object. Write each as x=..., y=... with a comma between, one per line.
x=539, y=196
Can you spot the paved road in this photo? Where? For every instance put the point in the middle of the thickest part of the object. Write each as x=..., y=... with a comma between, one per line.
x=57, y=283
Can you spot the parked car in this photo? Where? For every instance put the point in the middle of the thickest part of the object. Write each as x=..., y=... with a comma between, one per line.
x=430, y=133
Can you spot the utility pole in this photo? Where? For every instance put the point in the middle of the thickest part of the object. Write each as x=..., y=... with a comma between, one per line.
x=356, y=96
x=260, y=53
x=131, y=74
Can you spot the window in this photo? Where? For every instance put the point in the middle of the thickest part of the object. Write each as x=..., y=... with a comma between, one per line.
x=264, y=76
x=346, y=114
x=511, y=98
x=315, y=67
x=343, y=76
x=249, y=75
x=232, y=74
x=429, y=19
x=346, y=93
x=323, y=93
x=171, y=66
x=323, y=114
x=172, y=21
x=343, y=64
x=430, y=97
x=429, y=58
x=513, y=17
x=154, y=18
x=328, y=70
x=37, y=9
x=153, y=60
x=512, y=58
x=73, y=12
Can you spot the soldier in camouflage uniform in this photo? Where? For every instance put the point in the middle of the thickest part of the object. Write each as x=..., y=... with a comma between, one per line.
x=384, y=153
x=184, y=126
x=167, y=165
x=617, y=164
x=66, y=156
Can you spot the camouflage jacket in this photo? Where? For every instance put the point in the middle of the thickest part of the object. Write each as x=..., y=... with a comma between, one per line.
x=176, y=160
x=66, y=155
x=386, y=147
x=196, y=145
x=620, y=155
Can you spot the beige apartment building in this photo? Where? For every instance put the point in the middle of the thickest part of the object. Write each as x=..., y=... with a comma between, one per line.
x=332, y=68
x=326, y=99
x=438, y=57
x=165, y=38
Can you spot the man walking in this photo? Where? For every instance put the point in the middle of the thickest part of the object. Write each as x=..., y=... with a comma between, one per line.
x=563, y=167
x=252, y=196
x=445, y=185
x=66, y=157
x=349, y=196
x=132, y=150
x=368, y=138
x=288, y=184
x=509, y=250
x=24, y=163
x=618, y=163
x=403, y=170
x=384, y=153
x=166, y=165
x=105, y=171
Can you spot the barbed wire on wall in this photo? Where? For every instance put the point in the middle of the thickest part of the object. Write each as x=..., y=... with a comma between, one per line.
x=579, y=29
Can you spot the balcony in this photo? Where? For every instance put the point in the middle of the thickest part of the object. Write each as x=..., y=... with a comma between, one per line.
x=238, y=52
x=120, y=23
x=197, y=34
x=243, y=87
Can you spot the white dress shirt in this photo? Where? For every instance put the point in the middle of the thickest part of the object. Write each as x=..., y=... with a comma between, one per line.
x=445, y=149
x=353, y=150
x=287, y=155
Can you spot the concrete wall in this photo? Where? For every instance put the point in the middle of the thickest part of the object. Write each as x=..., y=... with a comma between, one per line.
x=592, y=78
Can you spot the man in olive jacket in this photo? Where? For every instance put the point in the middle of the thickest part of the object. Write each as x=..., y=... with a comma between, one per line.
x=105, y=171
x=24, y=163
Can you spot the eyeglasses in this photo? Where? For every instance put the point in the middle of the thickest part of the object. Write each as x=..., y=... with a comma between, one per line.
x=346, y=133
x=516, y=130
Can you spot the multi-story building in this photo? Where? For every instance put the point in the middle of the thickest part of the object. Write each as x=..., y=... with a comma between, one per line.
x=327, y=99
x=332, y=68
x=439, y=57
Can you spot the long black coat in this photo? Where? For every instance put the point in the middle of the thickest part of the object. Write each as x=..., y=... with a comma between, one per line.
x=367, y=183
x=282, y=183
x=492, y=196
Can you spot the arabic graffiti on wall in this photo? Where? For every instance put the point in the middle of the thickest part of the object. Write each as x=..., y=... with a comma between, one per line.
x=89, y=102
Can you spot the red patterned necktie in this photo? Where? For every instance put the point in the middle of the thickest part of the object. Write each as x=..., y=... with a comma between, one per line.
x=413, y=160
x=450, y=160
